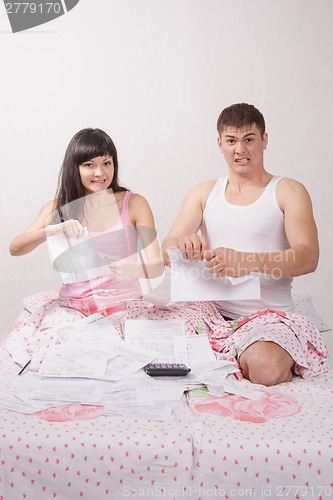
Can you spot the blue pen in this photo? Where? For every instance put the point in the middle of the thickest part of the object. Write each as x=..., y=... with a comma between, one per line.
x=24, y=367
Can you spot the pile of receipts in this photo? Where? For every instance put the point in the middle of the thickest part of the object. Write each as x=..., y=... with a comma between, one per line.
x=92, y=365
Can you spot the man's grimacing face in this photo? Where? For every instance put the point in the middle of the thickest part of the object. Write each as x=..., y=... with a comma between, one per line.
x=243, y=148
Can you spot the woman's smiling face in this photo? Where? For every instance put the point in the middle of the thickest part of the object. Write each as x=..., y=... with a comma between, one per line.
x=97, y=174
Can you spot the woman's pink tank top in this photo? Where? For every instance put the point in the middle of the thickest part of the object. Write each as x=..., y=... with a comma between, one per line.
x=106, y=293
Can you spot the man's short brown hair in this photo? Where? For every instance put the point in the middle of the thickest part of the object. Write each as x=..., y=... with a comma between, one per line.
x=239, y=115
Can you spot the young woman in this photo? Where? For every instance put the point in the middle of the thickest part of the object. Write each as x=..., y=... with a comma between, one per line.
x=91, y=205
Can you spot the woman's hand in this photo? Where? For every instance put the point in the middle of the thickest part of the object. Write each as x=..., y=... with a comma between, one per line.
x=71, y=228
x=125, y=269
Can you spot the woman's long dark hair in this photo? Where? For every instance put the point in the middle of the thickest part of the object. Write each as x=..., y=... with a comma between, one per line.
x=86, y=144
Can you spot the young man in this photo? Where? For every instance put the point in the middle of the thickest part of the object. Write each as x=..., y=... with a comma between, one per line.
x=251, y=221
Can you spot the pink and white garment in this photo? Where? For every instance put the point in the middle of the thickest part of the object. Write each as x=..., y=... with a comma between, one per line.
x=107, y=294
x=296, y=334
x=35, y=330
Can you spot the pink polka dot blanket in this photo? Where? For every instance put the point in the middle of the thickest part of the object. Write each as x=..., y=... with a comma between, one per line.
x=34, y=331
x=277, y=446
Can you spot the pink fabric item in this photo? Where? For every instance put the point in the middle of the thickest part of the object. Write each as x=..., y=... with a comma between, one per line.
x=35, y=330
x=69, y=412
x=272, y=404
x=296, y=334
x=104, y=294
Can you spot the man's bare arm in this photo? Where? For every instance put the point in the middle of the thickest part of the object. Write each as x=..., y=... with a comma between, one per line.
x=183, y=233
x=300, y=226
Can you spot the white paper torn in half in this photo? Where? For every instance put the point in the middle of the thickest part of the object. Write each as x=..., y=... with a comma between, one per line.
x=75, y=258
x=192, y=281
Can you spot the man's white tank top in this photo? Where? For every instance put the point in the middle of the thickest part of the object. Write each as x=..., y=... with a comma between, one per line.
x=257, y=227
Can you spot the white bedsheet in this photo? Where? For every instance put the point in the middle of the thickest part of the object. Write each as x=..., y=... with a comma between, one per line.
x=280, y=446
x=192, y=454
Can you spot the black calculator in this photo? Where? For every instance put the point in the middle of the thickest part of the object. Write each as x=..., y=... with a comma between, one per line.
x=160, y=369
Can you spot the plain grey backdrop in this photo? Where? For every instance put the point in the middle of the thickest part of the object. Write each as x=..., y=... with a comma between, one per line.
x=155, y=75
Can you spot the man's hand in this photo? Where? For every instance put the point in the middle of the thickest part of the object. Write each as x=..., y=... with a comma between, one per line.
x=193, y=247
x=226, y=262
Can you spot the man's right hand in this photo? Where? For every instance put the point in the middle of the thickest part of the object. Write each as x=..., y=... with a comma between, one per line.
x=193, y=247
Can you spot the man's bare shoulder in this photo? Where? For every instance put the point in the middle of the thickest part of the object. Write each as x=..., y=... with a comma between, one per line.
x=204, y=188
x=199, y=193
x=288, y=185
x=290, y=191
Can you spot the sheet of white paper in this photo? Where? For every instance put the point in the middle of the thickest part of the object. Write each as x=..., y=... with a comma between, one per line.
x=33, y=393
x=213, y=373
x=67, y=391
x=128, y=361
x=96, y=323
x=199, y=349
x=62, y=361
x=182, y=381
x=14, y=403
x=240, y=389
x=167, y=338
x=130, y=397
x=216, y=391
x=92, y=355
x=75, y=258
x=236, y=387
x=149, y=402
x=191, y=281
x=135, y=380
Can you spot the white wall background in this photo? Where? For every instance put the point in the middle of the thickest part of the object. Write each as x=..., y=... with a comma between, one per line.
x=155, y=74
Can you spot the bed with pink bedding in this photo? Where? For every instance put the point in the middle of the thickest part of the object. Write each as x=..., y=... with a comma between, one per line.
x=278, y=446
